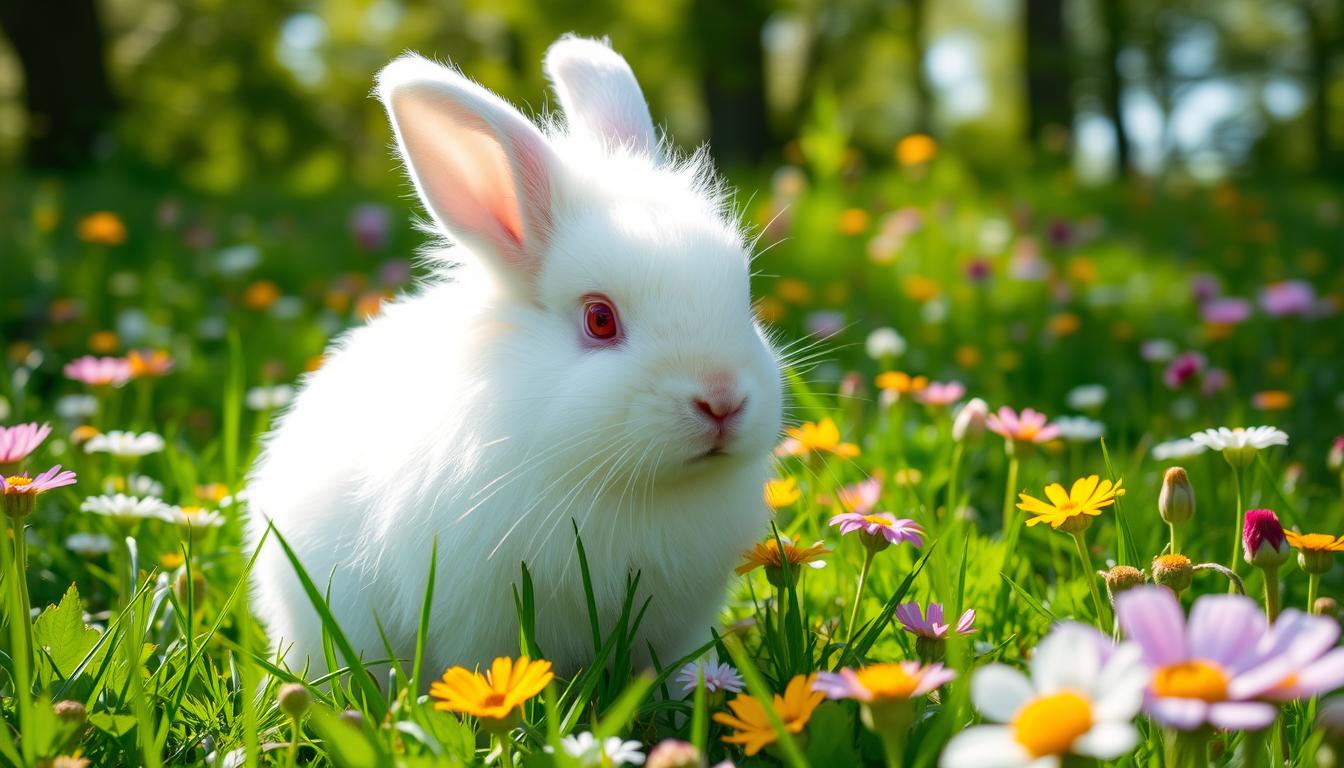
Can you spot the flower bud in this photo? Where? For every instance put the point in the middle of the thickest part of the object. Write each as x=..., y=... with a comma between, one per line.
x=294, y=700
x=18, y=505
x=970, y=421
x=1326, y=606
x=673, y=753
x=1173, y=571
x=1335, y=459
x=1121, y=578
x=1176, y=502
x=69, y=711
x=352, y=717
x=1262, y=540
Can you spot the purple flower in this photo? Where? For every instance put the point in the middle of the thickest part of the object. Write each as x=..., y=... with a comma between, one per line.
x=718, y=676
x=1205, y=287
x=1218, y=667
x=882, y=524
x=1226, y=311
x=824, y=324
x=1184, y=368
x=930, y=624
x=1290, y=297
x=1215, y=380
x=369, y=225
x=979, y=270
x=17, y=442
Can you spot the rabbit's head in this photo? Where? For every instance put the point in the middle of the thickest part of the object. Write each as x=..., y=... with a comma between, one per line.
x=617, y=273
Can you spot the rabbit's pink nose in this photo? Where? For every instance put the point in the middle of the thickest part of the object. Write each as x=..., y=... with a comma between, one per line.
x=720, y=409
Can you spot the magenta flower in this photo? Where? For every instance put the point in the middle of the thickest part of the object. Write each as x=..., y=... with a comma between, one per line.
x=18, y=493
x=881, y=525
x=1183, y=369
x=1262, y=540
x=1027, y=427
x=941, y=393
x=17, y=442
x=861, y=497
x=1226, y=311
x=930, y=623
x=1290, y=297
x=99, y=371
x=1222, y=665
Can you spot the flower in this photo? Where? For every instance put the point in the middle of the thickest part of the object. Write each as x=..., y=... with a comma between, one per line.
x=1272, y=400
x=17, y=442
x=782, y=492
x=1219, y=666
x=1183, y=369
x=1080, y=429
x=1081, y=697
x=884, y=690
x=1176, y=500
x=816, y=438
x=1262, y=539
x=126, y=509
x=125, y=445
x=1335, y=459
x=718, y=676
x=1122, y=577
x=1157, y=350
x=102, y=228
x=930, y=624
x=1176, y=450
x=18, y=493
x=495, y=697
x=1086, y=397
x=879, y=530
x=1028, y=427
x=752, y=728
x=1229, y=310
x=1239, y=445
x=1315, y=551
x=768, y=554
x=970, y=420
x=1073, y=509
x=941, y=393
x=1173, y=571
x=1290, y=297
x=674, y=753
x=884, y=344
x=861, y=497
x=149, y=364
x=99, y=371
x=133, y=484
x=269, y=398
x=193, y=517
x=88, y=544
x=294, y=700
x=611, y=751
x=76, y=407
x=901, y=383
x=916, y=149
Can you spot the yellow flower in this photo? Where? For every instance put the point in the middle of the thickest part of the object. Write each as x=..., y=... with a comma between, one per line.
x=768, y=554
x=1088, y=497
x=781, y=493
x=819, y=437
x=261, y=295
x=1315, y=542
x=853, y=221
x=752, y=728
x=104, y=342
x=916, y=149
x=102, y=228
x=793, y=290
x=172, y=560
x=495, y=697
x=921, y=289
x=149, y=363
x=1065, y=324
x=901, y=382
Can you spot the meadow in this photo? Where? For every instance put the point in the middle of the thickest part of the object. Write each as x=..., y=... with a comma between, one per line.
x=995, y=468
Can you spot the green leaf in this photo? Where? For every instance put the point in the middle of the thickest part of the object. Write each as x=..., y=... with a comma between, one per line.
x=62, y=638
x=112, y=725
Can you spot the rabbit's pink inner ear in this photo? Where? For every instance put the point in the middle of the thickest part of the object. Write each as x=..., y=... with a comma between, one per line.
x=473, y=173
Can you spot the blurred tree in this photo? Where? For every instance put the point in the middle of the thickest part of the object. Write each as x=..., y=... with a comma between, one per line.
x=1049, y=99
x=727, y=37
x=67, y=94
x=1325, y=38
x=1115, y=30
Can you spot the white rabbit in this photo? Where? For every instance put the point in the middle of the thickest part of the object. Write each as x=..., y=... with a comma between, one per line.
x=588, y=352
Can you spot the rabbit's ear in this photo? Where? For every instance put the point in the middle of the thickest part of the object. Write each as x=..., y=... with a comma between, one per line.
x=599, y=93
x=484, y=172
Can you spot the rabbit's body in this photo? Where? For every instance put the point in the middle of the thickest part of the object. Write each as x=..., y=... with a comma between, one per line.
x=481, y=412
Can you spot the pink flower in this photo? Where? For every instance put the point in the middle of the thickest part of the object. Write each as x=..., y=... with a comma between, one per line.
x=1226, y=311
x=1028, y=427
x=903, y=680
x=1184, y=368
x=861, y=497
x=99, y=371
x=18, y=493
x=1262, y=540
x=882, y=524
x=1290, y=297
x=17, y=442
x=941, y=393
x=1225, y=665
x=930, y=624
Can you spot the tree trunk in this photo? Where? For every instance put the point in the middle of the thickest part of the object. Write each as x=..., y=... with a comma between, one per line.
x=1116, y=30
x=1047, y=56
x=1323, y=47
x=59, y=44
x=923, y=93
x=733, y=75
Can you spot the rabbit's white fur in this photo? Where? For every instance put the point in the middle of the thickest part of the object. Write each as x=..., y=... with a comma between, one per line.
x=475, y=412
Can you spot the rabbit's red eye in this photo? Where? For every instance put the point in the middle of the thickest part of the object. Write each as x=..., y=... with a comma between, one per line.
x=599, y=320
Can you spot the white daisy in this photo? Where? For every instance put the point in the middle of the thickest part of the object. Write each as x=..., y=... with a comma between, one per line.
x=134, y=485
x=718, y=676
x=126, y=509
x=88, y=544
x=1080, y=429
x=612, y=751
x=884, y=343
x=1181, y=448
x=1239, y=445
x=76, y=407
x=1081, y=699
x=125, y=445
x=193, y=517
x=269, y=398
x=1087, y=397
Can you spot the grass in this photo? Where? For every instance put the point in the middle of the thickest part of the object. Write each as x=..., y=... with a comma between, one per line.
x=153, y=635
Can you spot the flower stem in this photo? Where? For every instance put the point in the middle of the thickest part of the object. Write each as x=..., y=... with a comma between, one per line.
x=19, y=637
x=951, y=509
x=1253, y=749
x=1313, y=586
x=1008, y=490
x=1103, y=622
x=1271, y=593
x=294, y=742
x=893, y=746
x=1236, y=532
x=505, y=751
x=1173, y=550
x=858, y=595
x=1186, y=749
